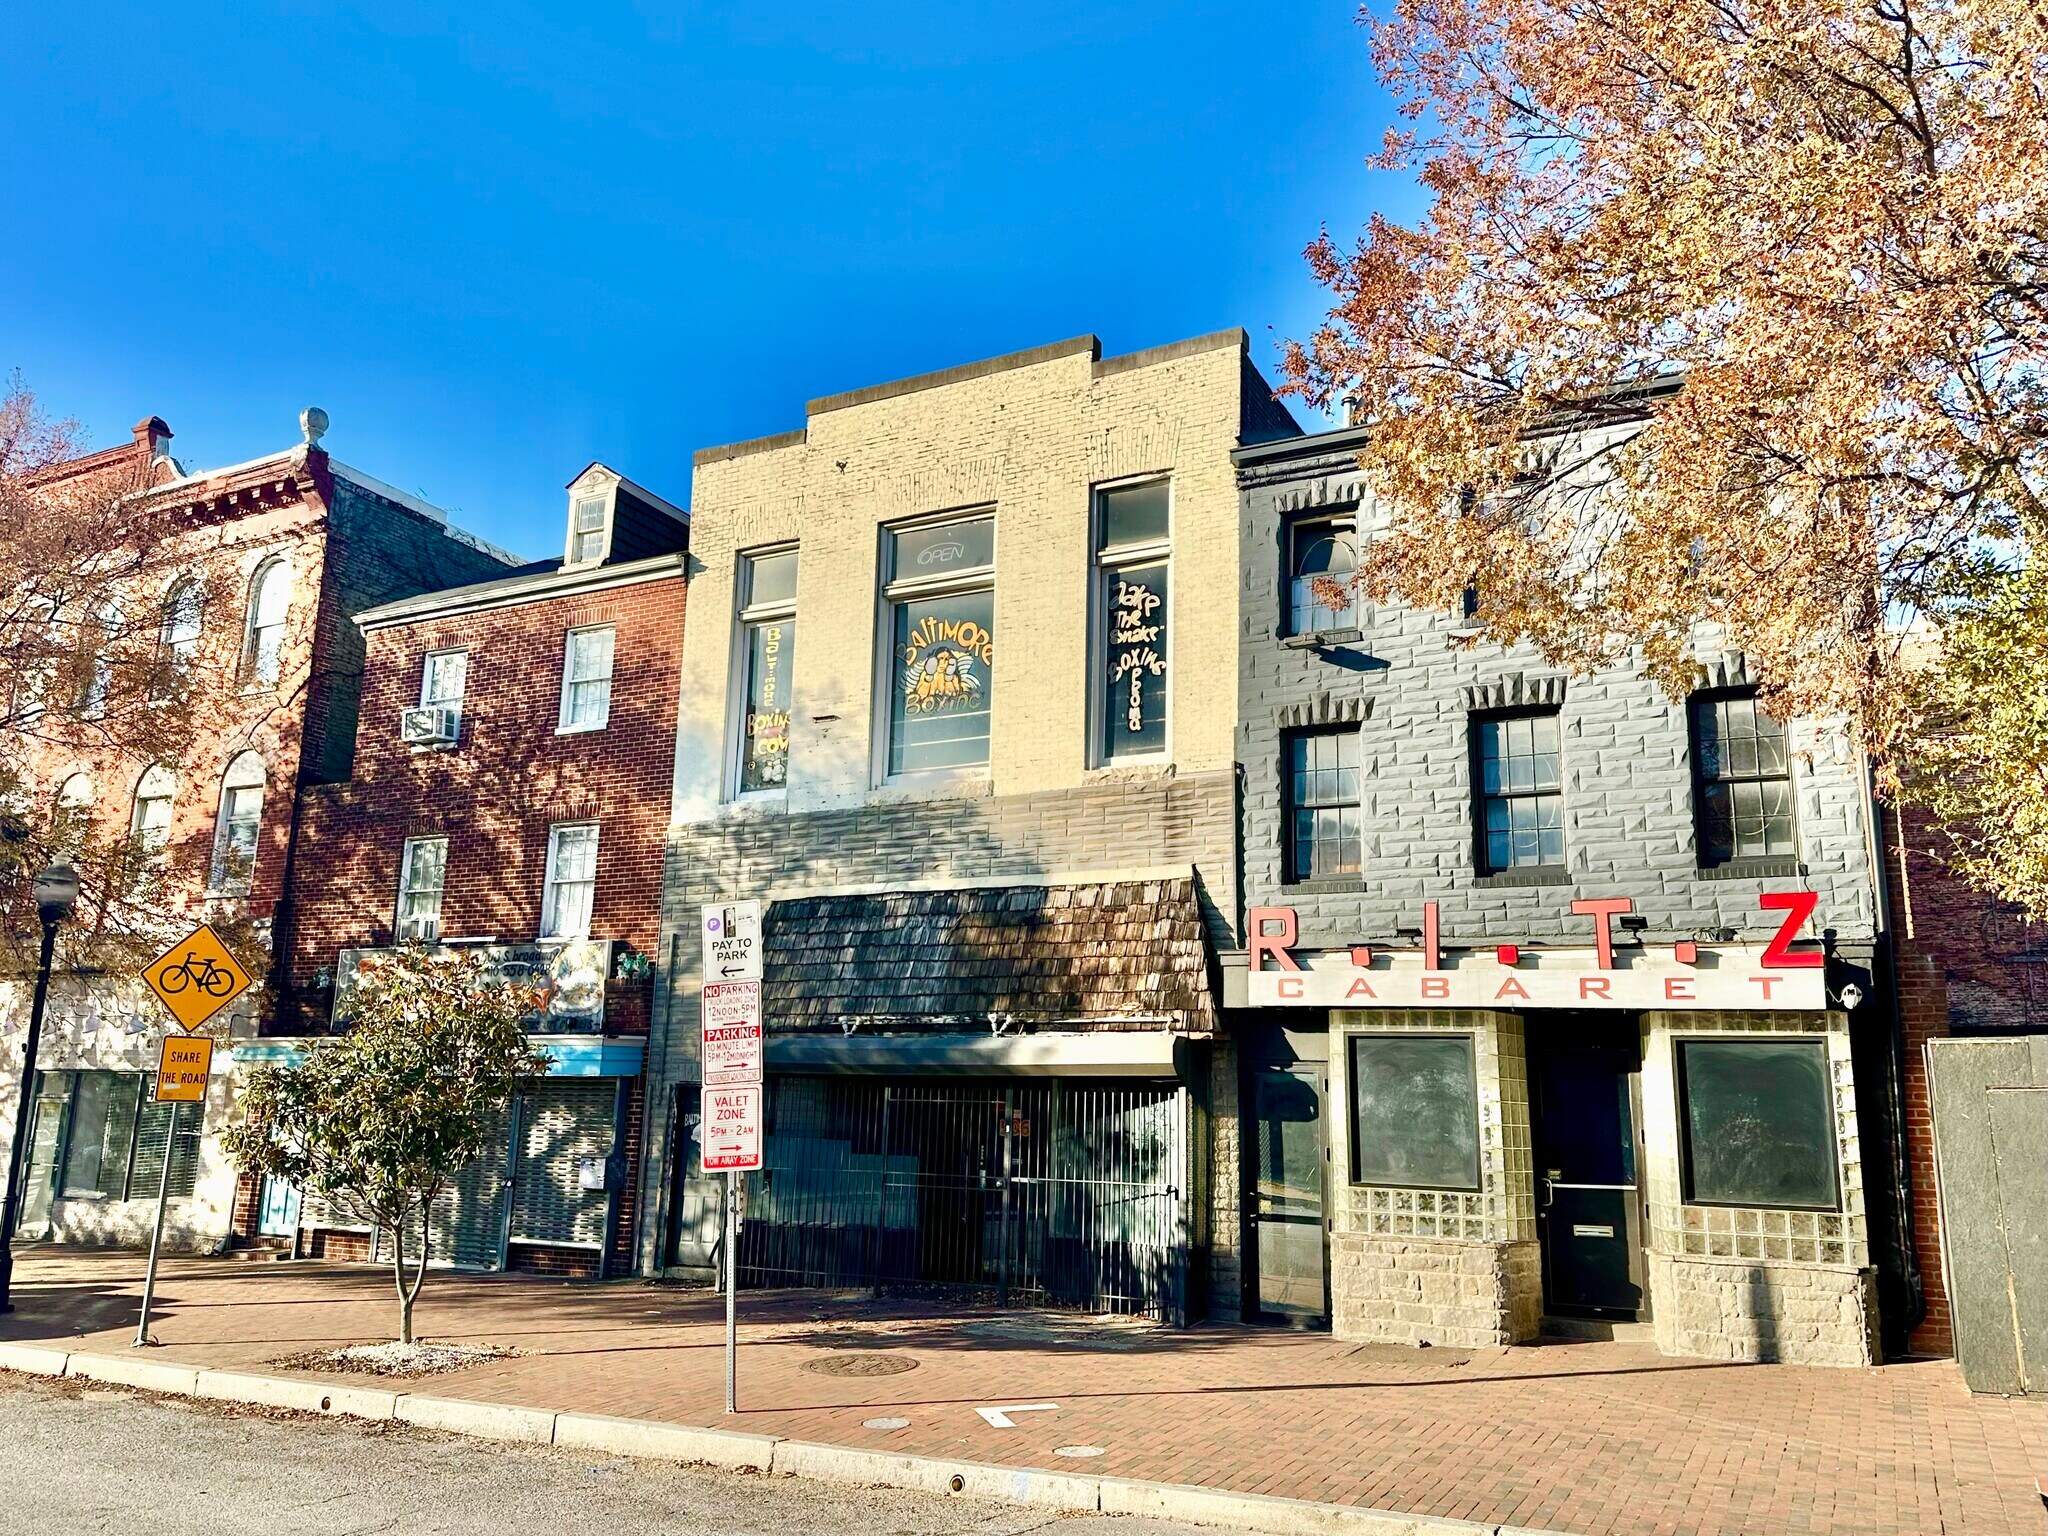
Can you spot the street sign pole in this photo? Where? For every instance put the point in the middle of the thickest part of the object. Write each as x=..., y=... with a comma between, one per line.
x=729, y=1057
x=156, y=1235
x=732, y=1293
x=183, y=1066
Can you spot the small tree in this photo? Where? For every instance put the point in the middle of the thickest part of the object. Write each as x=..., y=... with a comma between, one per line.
x=377, y=1120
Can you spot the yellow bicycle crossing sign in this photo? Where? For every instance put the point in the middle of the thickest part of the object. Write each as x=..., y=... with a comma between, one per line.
x=196, y=977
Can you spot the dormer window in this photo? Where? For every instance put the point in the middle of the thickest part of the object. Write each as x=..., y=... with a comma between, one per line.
x=590, y=527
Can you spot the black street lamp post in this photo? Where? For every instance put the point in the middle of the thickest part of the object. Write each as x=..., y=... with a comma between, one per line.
x=56, y=895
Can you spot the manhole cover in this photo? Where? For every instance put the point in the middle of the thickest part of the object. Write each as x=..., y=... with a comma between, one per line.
x=861, y=1365
x=1078, y=1450
x=885, y=1423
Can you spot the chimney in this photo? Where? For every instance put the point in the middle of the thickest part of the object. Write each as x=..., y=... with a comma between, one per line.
x=153, y=435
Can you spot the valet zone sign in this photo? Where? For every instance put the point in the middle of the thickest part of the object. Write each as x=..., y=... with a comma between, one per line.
x=1786, y=973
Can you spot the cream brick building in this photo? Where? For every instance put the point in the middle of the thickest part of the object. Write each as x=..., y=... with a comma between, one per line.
x=959, y=702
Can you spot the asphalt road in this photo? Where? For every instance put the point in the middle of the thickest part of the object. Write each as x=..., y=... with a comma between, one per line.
x=80, y=1459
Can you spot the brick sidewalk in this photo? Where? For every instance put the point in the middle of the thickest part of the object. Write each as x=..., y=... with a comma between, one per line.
x=1578, y=1437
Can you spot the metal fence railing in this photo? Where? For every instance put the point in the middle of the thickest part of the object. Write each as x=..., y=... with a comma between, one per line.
x=1044, y=1192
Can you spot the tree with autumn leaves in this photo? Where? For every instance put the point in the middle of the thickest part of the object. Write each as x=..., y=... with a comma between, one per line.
x=1726, y=324
x=102, y=669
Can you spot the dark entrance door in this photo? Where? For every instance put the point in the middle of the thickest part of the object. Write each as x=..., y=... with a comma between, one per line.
x=1286, y=1122
x=1585, y=1139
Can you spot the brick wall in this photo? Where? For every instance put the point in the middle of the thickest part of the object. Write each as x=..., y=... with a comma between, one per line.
x=496, y=793
x=1964, y=962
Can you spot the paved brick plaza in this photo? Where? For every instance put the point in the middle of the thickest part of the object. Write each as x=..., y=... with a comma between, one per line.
x=1579, y=1437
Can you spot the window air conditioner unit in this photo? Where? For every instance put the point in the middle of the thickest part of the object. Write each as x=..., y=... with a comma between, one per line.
x=430, y=725
x=426, y=929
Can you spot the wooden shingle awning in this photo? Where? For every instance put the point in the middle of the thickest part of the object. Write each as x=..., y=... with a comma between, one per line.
x=1115, y=955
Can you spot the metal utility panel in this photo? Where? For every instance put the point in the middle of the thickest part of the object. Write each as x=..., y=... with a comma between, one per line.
x=1990, y=1117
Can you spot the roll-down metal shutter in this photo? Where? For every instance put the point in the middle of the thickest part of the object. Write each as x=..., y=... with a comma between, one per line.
x=562, y=1122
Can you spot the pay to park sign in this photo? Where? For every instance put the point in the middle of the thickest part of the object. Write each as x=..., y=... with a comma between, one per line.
x=730, y=1050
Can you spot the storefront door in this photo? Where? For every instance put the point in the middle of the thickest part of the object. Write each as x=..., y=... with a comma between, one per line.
x=1583, y=1092
x=1287, y=1095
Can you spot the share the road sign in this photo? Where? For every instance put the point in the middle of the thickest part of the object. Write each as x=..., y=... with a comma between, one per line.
x=732, y=941
x=196, y=977
x=182, y=1069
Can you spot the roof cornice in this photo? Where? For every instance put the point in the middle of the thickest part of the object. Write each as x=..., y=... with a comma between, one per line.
x=516, y=591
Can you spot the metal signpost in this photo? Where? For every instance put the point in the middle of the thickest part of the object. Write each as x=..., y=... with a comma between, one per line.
x=194, y=979
x=730, y=1056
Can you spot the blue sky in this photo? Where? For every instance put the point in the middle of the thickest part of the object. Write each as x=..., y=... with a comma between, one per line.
x=498, y=243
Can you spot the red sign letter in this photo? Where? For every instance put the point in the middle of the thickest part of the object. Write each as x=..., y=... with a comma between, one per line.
x=1798, y=907
x=1278, y=944
x=1678, y=989
x=1591, y=987
x=1601, y=909
x=1437, y=988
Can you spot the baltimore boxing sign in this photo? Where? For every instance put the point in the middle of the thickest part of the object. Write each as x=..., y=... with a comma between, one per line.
x=1788, y=972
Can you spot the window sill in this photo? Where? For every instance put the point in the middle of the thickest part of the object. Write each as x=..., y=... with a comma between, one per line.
x=1509, y=879
x=1131, y=770
x=1778, y=866
x=582, y=730
x=1323, y=639
x=1349, y=885
x=225, y=893
x=973, y=783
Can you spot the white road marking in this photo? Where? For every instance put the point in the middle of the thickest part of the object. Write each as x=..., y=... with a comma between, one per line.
x=999, y=1418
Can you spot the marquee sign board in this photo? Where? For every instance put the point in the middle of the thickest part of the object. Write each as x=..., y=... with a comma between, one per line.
x=730, y=1015
x=1722, y=977
x=1614, y=972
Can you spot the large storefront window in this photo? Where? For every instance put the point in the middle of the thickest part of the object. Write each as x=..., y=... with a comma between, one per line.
x=114, y=1139
x=768, y=638
x=1133, y=531
x=941, y=598
x=1414, y=1111
x=1759, y=1123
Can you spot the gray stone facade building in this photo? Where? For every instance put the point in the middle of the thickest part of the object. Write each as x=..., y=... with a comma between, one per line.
x=1561, y=997
x=959, y=708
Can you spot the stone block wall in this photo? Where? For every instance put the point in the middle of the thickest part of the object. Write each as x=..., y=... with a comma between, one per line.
x=1439, y=1266
x=1748, y=1283
x=1411, y=687
x=1407, y=1290
x=1799, y=1314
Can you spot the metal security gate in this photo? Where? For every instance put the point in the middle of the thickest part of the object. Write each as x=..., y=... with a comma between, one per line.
x=1064, y=1192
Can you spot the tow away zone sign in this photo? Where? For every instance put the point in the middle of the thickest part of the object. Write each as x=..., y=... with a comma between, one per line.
x=731, y=1132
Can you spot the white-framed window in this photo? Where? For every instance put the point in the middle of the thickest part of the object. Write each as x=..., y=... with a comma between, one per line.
x=239, y=824
x=422, y=873
x=270, y=602
x=1133, y=557
x=767, y=652
x=938, y=684
x=587, y=679
x=156, y=793
x=1322, y=560
x=566, y=898
x=178, y=629
x=590, y=527
x=102, y=634
x=75, y=800
x=443, y=677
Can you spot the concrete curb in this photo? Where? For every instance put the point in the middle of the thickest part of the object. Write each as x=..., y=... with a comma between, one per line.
x=654, y=1440
x=665, y=1442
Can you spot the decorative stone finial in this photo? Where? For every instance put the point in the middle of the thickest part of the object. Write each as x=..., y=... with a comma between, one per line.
x=313, y=425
